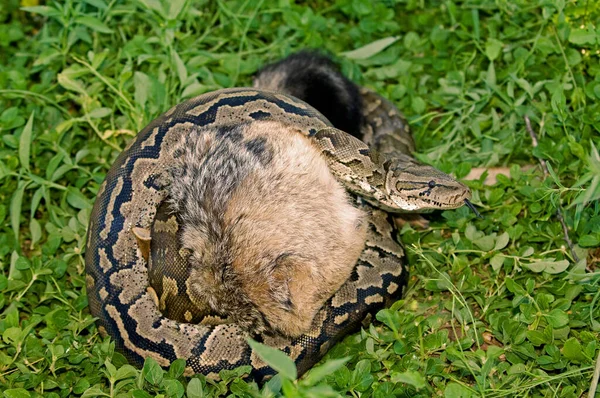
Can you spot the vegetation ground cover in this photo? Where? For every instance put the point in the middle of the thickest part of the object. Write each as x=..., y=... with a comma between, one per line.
x=499, y=306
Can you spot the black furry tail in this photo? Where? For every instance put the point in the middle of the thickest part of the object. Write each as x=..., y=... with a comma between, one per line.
x=315, y=79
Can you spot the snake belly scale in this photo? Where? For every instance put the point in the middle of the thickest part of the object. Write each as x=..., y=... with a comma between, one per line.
x=129, y=285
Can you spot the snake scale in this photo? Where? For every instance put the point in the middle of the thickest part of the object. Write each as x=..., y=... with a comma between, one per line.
x=137, y=271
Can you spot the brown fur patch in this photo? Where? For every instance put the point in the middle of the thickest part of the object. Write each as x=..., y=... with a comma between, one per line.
x=285, y=238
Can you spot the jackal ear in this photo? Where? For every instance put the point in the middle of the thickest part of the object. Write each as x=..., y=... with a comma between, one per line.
x=280, y=293
x=283, y=269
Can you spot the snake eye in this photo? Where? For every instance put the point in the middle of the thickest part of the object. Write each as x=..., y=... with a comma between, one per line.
x=431, y=184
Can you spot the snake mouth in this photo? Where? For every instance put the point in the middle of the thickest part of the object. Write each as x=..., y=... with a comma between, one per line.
x=473, y=209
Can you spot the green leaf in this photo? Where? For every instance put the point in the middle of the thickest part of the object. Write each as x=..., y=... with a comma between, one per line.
x=17, y=393
x=537, y=338
x=36, y=231
x=78, y=200
x=528, y=251
x=142, y=85
x=15, y=208
x=179, y=67
x=125, y=372
x=514, y=287
x=485, y=243
x=273, y=386
x=319, y=391
x=42, y=10
x=572, y=350
x=549, y=266
x=476, y=24
x=175, y=7
x=173, y=388
x=582, y=36
x=524, y=84
x=194, y=89
x=455, y=390
x=418, y=105
x=194, y=389
x=490, y=77
x=100, y=4
x=93, y=392
x=361, y=375
x=497, y=261
x=59, y=319
x=501, y=241
x=227, y=375
x=46, y=57
x=471, y=232
x=177, y=368
x=3, y=282
x=22, y=263
x=153, y=5
x=557, y=318
x=93, y=23
x=81, y=385
x=276, y=359
x=493, y=48
x=589, y=241
x=318, y=373
x=390, y=318
x=99, y=113
x=140, y=394
x=69, y=84
x=372, y=48
x=112, y=370
x=152, y=371
x=25, y=143
x=410, y=377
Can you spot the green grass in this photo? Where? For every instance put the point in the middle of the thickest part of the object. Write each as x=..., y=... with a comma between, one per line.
x=497, y=307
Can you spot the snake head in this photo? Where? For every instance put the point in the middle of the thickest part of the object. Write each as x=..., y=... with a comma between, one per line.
x=413, y=186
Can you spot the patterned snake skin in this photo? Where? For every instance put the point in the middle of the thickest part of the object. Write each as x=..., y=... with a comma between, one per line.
x=136, y=273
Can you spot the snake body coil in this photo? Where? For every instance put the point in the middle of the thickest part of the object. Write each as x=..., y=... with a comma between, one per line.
x=136, y=272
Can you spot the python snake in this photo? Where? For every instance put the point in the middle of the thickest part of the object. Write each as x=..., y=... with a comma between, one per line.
x=136, y=269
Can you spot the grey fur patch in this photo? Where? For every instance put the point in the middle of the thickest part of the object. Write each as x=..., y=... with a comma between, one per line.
x=212, y=165
x=259, y=147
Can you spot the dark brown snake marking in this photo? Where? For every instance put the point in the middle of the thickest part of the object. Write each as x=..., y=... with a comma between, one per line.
x=141, y=300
